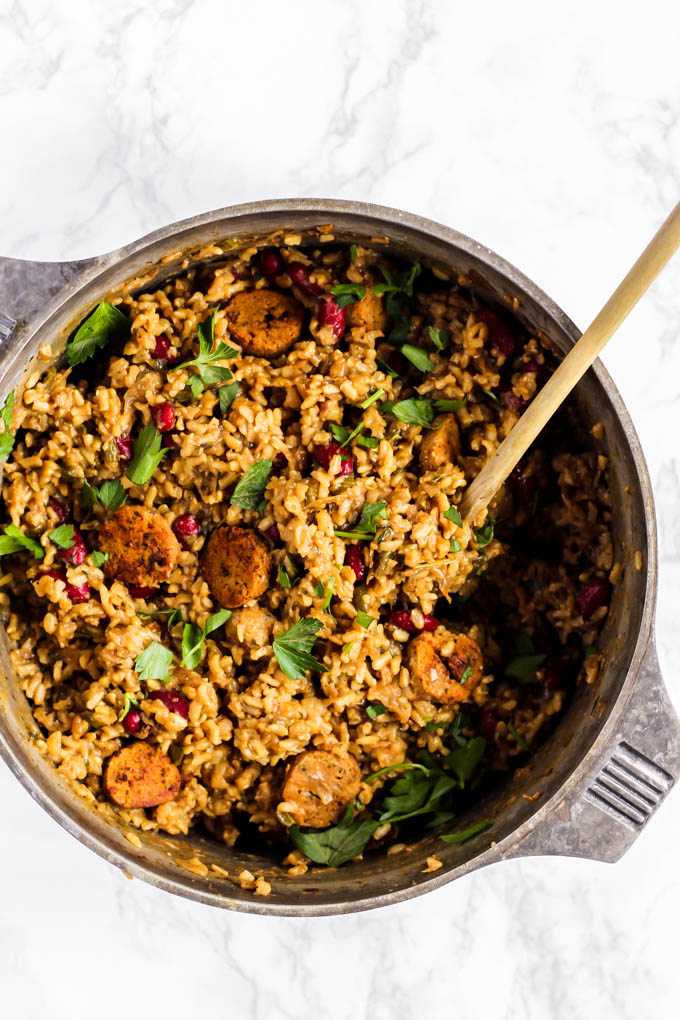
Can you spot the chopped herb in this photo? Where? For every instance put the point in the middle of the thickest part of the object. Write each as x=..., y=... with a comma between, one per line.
x=344, y=436
x=465, y=834
x=353, y=252
x=521, y=742
x=445, y=405
x=196, y=385
x=128, y=702
x=227, y=395
x=355, y=432
x=373, y=397
x=384, y=367
x=491, y=394
x=7, y=437
x=292, y=648
x=416, y=793
x=249, y=492
x=63, y=536
x=484, y=535
x=110, y=494
x=523, y=667
x=147, y=454
x=374, y=709
x=453, y=514
x=340, y=843
x=173, y=615
x=154, y=662
x=105, y=324
x=364, y=620
x=399, y=333
x=397, y=288
x=464, y=759
x=466, y=674
x=417, y=357
x=413, y=412
x=455, y=545
x=193, y=637
x=99, y=558
x=368, y=522
x=284, y=579
x=13, y=540
x=348, y=648
x=326, y=592
x=591, y=650
x=399, y=766
x=209, y=372
x=439, y=337
x=348, y=293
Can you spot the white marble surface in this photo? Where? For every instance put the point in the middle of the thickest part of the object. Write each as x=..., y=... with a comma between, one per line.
x=549, y=132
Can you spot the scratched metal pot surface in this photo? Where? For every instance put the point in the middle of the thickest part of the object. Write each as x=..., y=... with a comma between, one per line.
x=616, y=751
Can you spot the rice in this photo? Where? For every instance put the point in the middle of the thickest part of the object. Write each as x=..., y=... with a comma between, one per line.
x=247, y=720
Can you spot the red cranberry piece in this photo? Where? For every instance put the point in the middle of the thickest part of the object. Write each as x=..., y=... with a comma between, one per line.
x=331, y=315
x=354, y=558
x=324, y=453
x=163, y=416
x=124, y=444
x=487, y=724
x=522, y=487
x=78, y=592
x=77, y=553
x=169, y=441
x=160, y=351
x=401, y=618
x=186, y=526
x=132, y=720
x=58, y=575
x=63, y=513
x=551, y=678
x=279, y=463
x=273, y=533
x=502, y=337
x=142, y=591
x=509, y=399
x=173, y=701
x=540, y=371
x=299, y=275
x=429, y=622
x=272, y=264
x=592, y=595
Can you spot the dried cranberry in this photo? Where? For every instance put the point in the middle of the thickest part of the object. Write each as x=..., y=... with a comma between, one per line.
x=279, y=463
x=62, y=512
x=272, y=264
x=173, y=701
x=354, y=558
x=273, y=533
x=299, y=275
x=324, y=453
x=142, y=591
x=540, y=371
x=331, y=315
x=592, y=595
x=186, y=526
x=487, y=724
x=500, y=334
x=57, y=575
x=522, y=487
x=160, y=351
x=429, y=622
x=77, y=553
x=124, y=444
x=163, y=416
x=510, y=399
x=400, y=618
x=78, y=592
x=132, y=720
x=551, y=678
x=169, y=441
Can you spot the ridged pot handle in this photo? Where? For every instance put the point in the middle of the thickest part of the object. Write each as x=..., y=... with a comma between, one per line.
x=626, y=783
x=25, y=287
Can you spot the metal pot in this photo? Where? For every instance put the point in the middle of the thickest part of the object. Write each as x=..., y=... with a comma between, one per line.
x=616, y=751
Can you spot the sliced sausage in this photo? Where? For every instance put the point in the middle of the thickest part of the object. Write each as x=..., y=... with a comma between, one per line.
x=236, y=564
x=319, y=786
x=369, y=312
x=141, y=546
x=438, y=663
x=265, y=322
x=441, y=445
x=141, y=776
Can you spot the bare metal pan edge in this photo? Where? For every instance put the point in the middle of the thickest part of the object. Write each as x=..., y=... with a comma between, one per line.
x=616, y=753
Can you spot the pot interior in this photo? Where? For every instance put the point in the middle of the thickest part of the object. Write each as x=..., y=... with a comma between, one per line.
x=184, y=865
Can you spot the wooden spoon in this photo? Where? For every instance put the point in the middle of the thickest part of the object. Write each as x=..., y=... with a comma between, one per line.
x=577, y=362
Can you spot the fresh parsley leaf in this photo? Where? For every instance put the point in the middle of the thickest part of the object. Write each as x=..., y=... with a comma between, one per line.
x=110, y=494
x=353, y=252
x=193, y=637
x=370, y=442
x=154, y=662
x=465, y=834
x=147, y=454
x=335, y=846
x=13, y=540
x=485, y=534
x=209, y=372
x=348, y=293
x=340, y=433
x=105, y=324
x=416, y=793
x=466, y=674
x=439, y=337
x=374, y=709
x=292, y=648
x=445, y=406
x=492, y=395
x=372, y=399
x=519, y=740
x=453, y=514
x=455, y=545
x=227, y=395
x=523, y=667
x=364, y=620
x=413, y=412
x=7, y=437
x=399, y=766
x=63, y=536
x=368, y=522
x=284, y=579
x=347, y=648
x=249, y=492
x=384, y=367
x=417, y=357
x=353, y=434
x=128, y=702
x=196, y=385
x=99, y=558
x=216, y=620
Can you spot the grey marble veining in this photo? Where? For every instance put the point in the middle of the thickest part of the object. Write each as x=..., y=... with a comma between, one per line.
x=553, y=137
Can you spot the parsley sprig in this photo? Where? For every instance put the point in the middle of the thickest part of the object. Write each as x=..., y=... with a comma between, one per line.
x=348, y=293
x=110, y=494
x=64, y=536
x=207, y=371
x=193, y=637
x=292, y=648
x=249, y=492
x=368, y=522
x=147, y=453
x=106, y=323
x=7, y=437
x=13, y=540
x=154, y=662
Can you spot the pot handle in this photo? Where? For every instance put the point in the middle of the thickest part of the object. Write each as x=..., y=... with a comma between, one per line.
x=26, y=286
x=627, y=781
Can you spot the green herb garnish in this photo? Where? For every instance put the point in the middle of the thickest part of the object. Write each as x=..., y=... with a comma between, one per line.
x=13, y=540
x=227, y=395
x=417, y=357
x=209, y=372
x=335, y=846
x=154, y=662
x=453, y=514
x=193, y=637
x=292, y=648
x=128, y=702
x=520, y=741
x=348, y=293
x=110, y=494
x=492, y=395
x=353, y=252
x=446, y=405
x=412, y=412
x=249, y=492
x=384, y=367
x=374, y=709
x=99, y=558
x=455, y=545
x=7, y=437
x=147, y=454
x=64, y=536
x=373, y=397
x=439, y=337
x=484, y=534
x=324, y=591
x=363, y=619
x=284, y=579
x=465, y=834
x=368, y=522
x=105, y=324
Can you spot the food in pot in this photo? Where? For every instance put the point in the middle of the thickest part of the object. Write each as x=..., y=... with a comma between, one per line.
x=238, y=590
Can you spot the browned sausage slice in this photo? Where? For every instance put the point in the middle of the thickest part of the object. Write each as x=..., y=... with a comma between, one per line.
x=141, y=776
x=442, y=444
x=265, y=322
x=439, y=664
x=368, y=313
x=141, y=546
x=319, y=786
x=236, y=564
